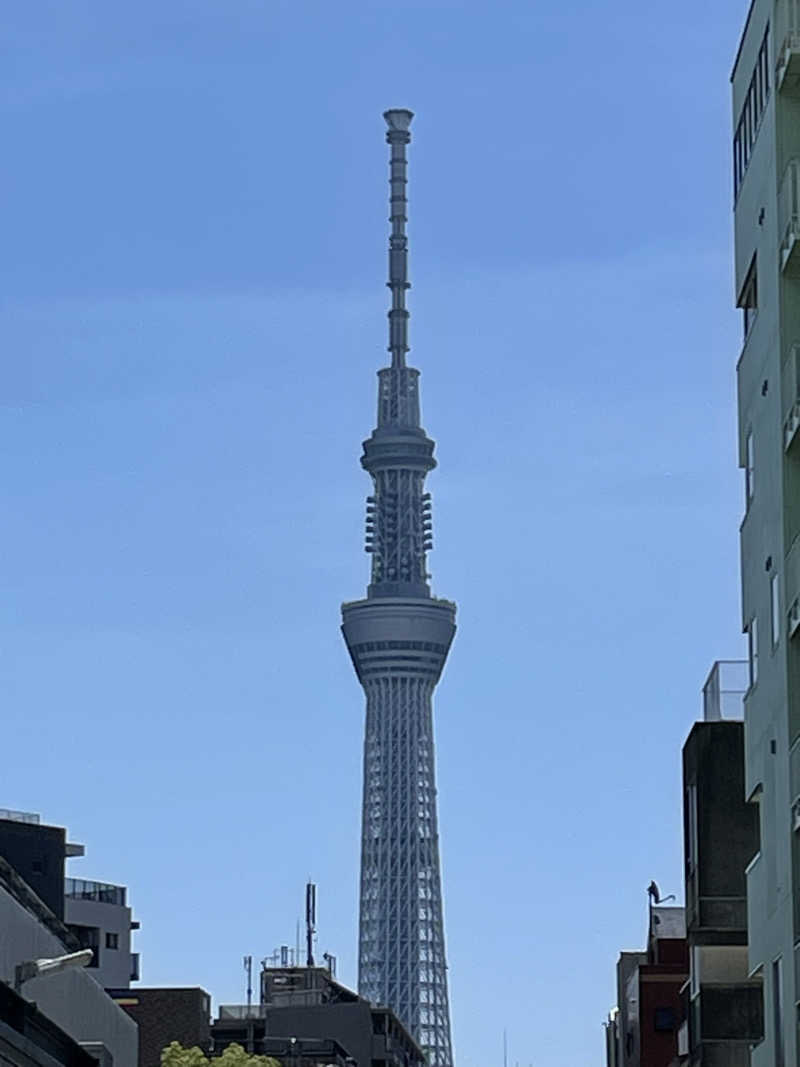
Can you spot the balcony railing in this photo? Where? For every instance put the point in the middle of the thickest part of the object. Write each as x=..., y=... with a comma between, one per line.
x=723, y=913
x=787, y=65
x=102, y=892
x=723, y=692
x=243, y=1011
x=727, y=1013
x=789, y=217
x=19, y=816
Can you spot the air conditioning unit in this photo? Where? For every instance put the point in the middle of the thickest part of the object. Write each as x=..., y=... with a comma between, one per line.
x=796, y=815
x=793, y=621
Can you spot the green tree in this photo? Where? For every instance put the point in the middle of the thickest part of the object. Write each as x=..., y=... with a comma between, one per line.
x=175, y=1055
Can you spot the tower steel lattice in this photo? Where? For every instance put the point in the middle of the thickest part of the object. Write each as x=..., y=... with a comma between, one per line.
x=398, y=638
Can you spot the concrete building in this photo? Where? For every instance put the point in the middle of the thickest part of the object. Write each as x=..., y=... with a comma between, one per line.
x=71, y=999
x=643, y=1030
x=308, y=1004
x=398, y=639
x=612, y=1030
x=766, y=190
x=29, y=1039
x=98, y=915
x=724, y=1012
x=38, y=854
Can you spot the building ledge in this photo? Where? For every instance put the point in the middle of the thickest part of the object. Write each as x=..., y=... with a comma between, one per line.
x=787, y=68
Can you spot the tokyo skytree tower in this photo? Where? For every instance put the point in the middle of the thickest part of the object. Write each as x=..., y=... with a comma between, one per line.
x=398, y=638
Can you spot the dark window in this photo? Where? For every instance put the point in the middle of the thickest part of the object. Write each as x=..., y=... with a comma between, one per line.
x=752, y=109
x=777, y=1012
x=748, y=300
x=665, y=1019
x=112, y=940
x=88, y=937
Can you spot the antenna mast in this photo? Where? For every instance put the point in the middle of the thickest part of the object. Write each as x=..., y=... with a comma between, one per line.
x=248, y=968
x=311, y=922
x=398, y=136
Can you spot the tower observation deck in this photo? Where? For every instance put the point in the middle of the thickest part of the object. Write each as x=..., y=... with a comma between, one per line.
x=398, y=638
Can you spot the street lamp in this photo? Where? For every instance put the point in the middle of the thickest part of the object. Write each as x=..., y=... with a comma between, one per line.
x=23, y=972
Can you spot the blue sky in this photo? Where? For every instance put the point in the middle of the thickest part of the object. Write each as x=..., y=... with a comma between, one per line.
x=192, y=309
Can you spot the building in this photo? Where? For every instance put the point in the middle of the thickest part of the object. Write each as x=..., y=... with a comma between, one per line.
x=611, y=1026
x=643, y=1029
x=308, y=1005
x=724, y=1013
x=96, y=913
x=71, y=999
x=766, y=192
x=38, y=854
x=398, y=638
x=166, y=1015
x=29, y=1039
x=299, y=1051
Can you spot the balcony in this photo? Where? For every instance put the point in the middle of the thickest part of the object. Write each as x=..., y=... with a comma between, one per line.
x=729, y=1014
x=789, y=218
x=787, y=69
x=723, y=913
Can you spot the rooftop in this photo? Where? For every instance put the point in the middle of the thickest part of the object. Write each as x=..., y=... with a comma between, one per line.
x=667, y=922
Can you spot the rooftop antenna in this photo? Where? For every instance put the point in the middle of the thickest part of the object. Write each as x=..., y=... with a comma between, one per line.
x=505, y=1048
x=311, y=921
x=248, y=967
x=655, y=895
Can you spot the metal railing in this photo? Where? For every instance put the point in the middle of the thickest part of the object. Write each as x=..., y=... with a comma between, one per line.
x=243, y=1011
x=19, y=816
x=789, y=210
x=723, y=692
x=102, y=892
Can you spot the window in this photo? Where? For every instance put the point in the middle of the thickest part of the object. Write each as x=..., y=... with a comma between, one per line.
x=777, y=1012
x=691, y=815
x=88, y=937
x=112, y=940
x=752, y=649
x=775, y=608
x=749, y=468
x=752, y=109
x=748, y=299
x=664, y=1019
x=694, y=971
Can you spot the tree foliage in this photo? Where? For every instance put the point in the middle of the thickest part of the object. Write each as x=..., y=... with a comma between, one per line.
x=175, y=1055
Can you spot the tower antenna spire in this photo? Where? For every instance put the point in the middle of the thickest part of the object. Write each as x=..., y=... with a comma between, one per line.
x=398, y=121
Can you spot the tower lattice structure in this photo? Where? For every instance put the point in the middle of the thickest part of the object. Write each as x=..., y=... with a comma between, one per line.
x=398, y=638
